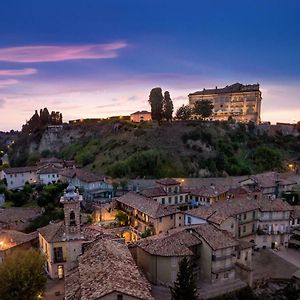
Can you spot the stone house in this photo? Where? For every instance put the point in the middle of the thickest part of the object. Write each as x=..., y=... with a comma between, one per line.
x=140, y=116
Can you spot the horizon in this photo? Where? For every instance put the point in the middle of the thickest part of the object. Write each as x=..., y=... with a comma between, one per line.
x=94, y=60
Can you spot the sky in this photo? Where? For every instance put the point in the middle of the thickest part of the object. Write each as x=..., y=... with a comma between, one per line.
x=96, y=58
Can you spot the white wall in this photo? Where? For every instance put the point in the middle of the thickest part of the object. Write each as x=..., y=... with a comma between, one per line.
x=191, y=220
x=18, y=180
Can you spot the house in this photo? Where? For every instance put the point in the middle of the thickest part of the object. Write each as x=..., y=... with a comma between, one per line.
x=62, y=242
x=146, y=213
x=167, y=191
x=262, y=221
x=48, y=174
x=295, y=227
x=93, y=185
x=140, y=116
x=270, y=184
x=206, y=195
x=106, y=270
x=12, y=240
x=18, y=218
x=211, y=250
x=17, y=177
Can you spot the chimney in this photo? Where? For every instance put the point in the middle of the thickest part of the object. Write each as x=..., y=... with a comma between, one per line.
x=216, y=87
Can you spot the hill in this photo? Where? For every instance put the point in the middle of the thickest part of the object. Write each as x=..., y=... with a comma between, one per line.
x=190, y=149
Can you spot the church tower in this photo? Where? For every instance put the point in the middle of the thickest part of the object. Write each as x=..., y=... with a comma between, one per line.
x=71, y=201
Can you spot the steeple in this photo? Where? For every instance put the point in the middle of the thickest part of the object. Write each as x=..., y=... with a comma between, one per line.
x=71, y=201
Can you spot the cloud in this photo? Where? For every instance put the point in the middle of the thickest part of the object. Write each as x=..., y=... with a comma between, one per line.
x=31, y=54
x=2, y=102
x=7, y=82
x=21, y=72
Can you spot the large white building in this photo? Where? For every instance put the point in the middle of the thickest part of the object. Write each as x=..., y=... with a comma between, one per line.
x=17, y=177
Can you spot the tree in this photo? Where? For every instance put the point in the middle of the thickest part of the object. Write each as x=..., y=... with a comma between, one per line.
x=122, y=218
x=167, y=107
x=156, y=102
x=184, y=286
x=183, y=113
x=203, y=108
x=22, y=276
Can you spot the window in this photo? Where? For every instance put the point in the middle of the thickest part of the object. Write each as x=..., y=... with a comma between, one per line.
x=181, y=198
x=253, y=227
x=232, y=225
x=119, y=297
x=171, y=217
x=176, y=199
x=170, y=200
x=58, y=254
x=245, y=216
x=244, y=228
x=226, y=275
x=163, y=200
x=189, y=220
x=160, y=219
x=72, y=219
x=253, y=215
x=186, y=198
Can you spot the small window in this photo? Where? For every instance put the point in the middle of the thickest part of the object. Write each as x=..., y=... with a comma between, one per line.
x=163, y=200
x=119, y=297
x=245, y=216
x=171, y=217
x=170, y=200
x=189, y=220
x=181, y=198
x=226, y=275
x=160, y=219
x=244, y=228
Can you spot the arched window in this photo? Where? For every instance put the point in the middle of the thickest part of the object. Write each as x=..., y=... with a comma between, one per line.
x=72, y=219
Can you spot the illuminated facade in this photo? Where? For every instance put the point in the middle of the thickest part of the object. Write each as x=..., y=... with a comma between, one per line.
x=237, y=101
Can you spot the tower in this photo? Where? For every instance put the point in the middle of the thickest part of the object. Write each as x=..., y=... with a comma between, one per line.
x=71, y=201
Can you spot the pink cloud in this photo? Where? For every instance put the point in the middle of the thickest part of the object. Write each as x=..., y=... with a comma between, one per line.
x=30, y=54
x=21, y=72
x=7, y=82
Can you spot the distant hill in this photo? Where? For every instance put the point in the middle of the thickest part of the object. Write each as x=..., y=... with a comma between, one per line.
x=192, y=148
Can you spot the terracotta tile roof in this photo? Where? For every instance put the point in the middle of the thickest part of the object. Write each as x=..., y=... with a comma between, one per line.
x=154, y=192
x=234, y=88
x=167, y=181
x=53, y=232
x=172, y=243
x=106, y=267
x=147, y=205
x=207, y=191
x=177, y=242
x=141, y=112
x=220, y=211
x=49, y=169
x=82, y=175
x=12, y=238
x=20, y=170
x=19, y=214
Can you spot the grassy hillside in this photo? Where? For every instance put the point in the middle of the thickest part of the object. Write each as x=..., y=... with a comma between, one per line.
x=190, y=148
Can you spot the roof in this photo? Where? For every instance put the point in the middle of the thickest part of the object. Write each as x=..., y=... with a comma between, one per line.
x=82, y=175
x=178, y=242
x=167, y=181
x=53, y=232
x=48, y=169
x=12, y=238
x=154, y=192
x=106, y=267
x=20, y=170
x=15, y=214
x=147, y=205
x=50, y=160
x=142, y=112
x=172, y=243
x=220, y=211
x=207, y=191
x=234, y=88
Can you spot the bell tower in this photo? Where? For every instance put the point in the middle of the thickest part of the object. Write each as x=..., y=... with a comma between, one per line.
x=71, y=201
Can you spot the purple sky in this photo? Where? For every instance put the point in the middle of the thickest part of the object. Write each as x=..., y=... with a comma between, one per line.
x=101, y=58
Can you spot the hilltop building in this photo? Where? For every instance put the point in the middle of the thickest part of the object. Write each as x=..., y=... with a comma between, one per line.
x=62, y=242
x=140, y=116
x=237, y=101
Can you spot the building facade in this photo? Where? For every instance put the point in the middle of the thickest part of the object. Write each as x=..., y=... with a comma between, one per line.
x=62, y=242
x=237, y=101
x=140, y=116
